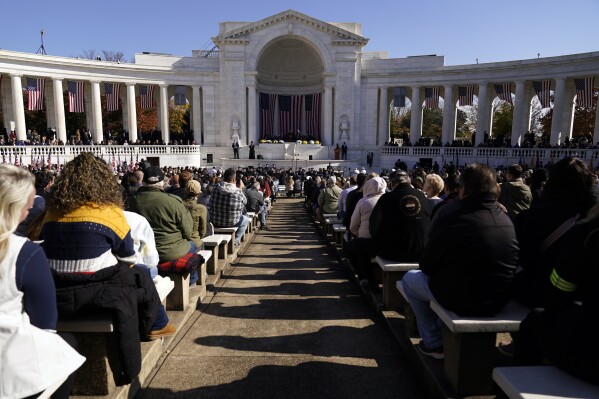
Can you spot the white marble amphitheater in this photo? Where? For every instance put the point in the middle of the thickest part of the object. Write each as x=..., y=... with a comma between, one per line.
x=338, y=94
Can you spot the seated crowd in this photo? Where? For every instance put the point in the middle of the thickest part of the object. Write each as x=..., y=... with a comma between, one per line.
x=482, y=237
x=104, y=237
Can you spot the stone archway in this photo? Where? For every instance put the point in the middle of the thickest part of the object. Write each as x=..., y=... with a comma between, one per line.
x=289, y=65
x=292, y=70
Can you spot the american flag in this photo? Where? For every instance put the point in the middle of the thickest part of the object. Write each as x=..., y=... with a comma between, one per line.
x=267, y=114
x=584, y=92
x=146, y=96
x=543, y=90
x=399, y=97
x=504, y=91
x=312, y=107
x=290, y=112
x=76, y=103
x=35, y=88
x=113, y=93
x=431, y=97
x=465, y=95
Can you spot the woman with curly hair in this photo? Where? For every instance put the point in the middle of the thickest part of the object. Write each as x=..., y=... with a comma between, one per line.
x=88, y=243
x=85, y=229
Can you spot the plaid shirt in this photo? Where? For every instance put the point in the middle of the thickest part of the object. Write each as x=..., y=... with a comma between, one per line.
x=227, y=204
x=188, y=263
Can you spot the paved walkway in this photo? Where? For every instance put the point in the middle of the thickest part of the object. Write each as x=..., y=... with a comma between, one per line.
x=285, y=323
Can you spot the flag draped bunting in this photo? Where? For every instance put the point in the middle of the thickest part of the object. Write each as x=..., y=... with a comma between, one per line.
x=543, y=90
x=312, y=108
x=465, y=95
x=504, y=91
x=35, y=89
x=267, y=115
x=113, y=93
x=584, y=92
x=146, y=96
x=76, y=102
x=431, y=97
x=290, y=113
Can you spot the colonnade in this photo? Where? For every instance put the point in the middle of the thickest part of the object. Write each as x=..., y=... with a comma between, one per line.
x=561, y=127
x=55, y=108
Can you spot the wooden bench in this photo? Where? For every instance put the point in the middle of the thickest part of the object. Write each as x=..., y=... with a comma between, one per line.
x=97, y=343
x=541, y=382
x=391, y=273
x=253, y=224
x=178, y=298
x=469, y=345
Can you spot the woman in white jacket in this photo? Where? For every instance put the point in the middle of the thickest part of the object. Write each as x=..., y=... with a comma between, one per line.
x=33, y=358
x=373, y=189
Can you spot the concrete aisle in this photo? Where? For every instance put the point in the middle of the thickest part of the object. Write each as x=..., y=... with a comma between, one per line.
x=285, y=322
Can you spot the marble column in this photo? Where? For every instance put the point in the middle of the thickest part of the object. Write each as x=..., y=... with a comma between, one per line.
x=416, y=115
x=61, y=126
x=131, y=113
x=521, y=113
x=18, y=107
x=252, y=125
x=449, y=115
x=483, y=116
x=383, y=135
x=164, y=122
x=196, y=116
x=326, y=137
x=97, y=112
x=563, y=107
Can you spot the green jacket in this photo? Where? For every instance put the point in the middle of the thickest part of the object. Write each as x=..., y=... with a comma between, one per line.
x=199, y=215
x=329, y=198
x=169, y=218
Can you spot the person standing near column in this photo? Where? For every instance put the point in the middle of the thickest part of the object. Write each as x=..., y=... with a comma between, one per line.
x=252, y=150
x=235, y=147
x=344, y=151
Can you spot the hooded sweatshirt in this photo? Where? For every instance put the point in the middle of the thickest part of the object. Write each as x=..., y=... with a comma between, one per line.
x=373, y=189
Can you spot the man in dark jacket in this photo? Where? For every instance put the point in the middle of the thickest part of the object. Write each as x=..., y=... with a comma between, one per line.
x=255, y=203
x=469, y=261
x=399, y=222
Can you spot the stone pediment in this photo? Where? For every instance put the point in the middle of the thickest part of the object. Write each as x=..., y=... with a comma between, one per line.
x=339, y=36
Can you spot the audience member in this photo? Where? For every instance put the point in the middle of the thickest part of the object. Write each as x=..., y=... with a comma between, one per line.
x=199, y=213
x=227, y=205
x=172, y=224
x=565, y=331
x=514, y=194
x=34, y=358
x=469, y=261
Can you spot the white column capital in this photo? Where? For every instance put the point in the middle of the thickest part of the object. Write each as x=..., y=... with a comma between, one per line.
x=95, y=81
x=16, y=75
x=129, y=84
x=196, y=87
x=164, y=85
x=57, y=79
x=448, y=86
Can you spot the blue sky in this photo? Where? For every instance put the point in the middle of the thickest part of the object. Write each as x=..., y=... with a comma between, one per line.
x=460, y=30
